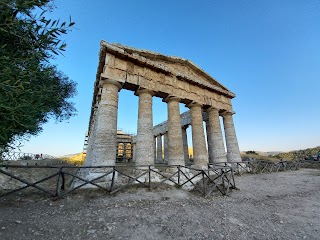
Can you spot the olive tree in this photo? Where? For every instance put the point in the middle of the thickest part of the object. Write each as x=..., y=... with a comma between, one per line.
x=32, y=89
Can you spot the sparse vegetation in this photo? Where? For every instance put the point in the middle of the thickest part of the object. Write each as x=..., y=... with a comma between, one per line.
x=306, y=154
x=251, y=152
x=252, y=155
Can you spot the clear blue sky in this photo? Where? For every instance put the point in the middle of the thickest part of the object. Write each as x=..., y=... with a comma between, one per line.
x=267, y=52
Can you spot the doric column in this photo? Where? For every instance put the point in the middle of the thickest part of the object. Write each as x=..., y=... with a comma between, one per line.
x=145, y=138
x=200, y=154
x=175, y=144
x=209, y=141
x=217, y=150
x=88, y=161
x=155, y=148
x=165, y=147
x=134, y=152
x=105, y=143
x=185, y=143
x=233, y=152
x=125, y=152
x=159, y=148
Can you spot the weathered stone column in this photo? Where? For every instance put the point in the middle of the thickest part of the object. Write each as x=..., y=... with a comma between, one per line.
x=233, y=152
x=165, y=147
x=145, y=139
x=159, y=148
x=155, y=148
x=185, y=143
x=217, y=149
x=209, y=141
x=91, y=137
x=200, y=154
x=105, y=143
x=175, y=144
x=134, y=152
x=125, y=152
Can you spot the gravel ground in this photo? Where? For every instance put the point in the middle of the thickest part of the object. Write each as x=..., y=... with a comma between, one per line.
x=284, y=205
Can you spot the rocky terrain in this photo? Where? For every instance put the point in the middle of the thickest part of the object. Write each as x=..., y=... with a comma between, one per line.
x=282, y=205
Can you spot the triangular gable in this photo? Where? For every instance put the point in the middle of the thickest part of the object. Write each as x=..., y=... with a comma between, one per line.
x=177, y=63
x=181, y=68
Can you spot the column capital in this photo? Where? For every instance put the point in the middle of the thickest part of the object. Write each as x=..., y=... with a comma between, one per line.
x=105, y=81
x=193, y=104
x=227, y=113
x=171, y=98
x=212, y=109
x=143, y=90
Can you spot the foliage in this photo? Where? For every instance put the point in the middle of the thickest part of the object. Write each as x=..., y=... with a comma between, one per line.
x=251, y=152
x=32, y=90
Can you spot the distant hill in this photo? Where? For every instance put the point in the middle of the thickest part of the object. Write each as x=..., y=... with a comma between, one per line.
x=69, y=155
x=266, y=154
x=299, y=154
x=77, y=158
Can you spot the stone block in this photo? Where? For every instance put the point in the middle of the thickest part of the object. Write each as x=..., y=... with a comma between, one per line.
x=109, y=60
x=133, y=79
x=120, y=64
x=114, y=74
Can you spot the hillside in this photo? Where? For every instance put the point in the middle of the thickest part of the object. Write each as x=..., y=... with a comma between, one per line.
x=299, y=154
x=77, y=159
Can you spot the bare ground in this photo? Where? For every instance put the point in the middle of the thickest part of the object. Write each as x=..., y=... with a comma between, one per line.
x=284, y=205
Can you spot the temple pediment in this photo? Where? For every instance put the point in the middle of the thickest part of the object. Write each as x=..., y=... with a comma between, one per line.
x=180, y=68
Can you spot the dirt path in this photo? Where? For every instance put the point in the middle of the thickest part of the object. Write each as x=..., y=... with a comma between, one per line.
x=282, y=205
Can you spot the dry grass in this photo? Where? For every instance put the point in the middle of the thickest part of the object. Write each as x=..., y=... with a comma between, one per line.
x=77, y=159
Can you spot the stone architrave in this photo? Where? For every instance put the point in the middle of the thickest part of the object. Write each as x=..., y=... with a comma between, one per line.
x=159, y=148
x=165, y=147
x=175, y=143
x=145, y=140
x=233, y=152
x=217, y=150
x=185, y=143
x=105, y=134
x=200, y=155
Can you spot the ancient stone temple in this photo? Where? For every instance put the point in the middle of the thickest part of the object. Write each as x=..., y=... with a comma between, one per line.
x=176, y=81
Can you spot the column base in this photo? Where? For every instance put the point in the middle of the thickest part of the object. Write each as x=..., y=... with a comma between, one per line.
x=219, y=159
